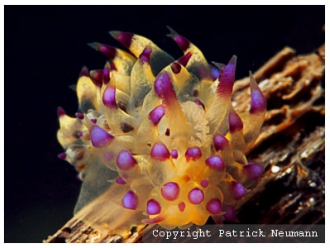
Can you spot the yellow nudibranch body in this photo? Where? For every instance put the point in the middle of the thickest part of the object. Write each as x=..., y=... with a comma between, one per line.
x=168, y=133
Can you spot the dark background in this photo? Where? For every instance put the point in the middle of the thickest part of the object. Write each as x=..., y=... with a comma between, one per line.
x=45, y=48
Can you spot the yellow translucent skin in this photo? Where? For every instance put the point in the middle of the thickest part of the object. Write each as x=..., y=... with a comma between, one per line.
x=190, y=125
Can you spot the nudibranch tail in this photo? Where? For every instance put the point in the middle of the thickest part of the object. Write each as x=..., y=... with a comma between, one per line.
x=157, y=140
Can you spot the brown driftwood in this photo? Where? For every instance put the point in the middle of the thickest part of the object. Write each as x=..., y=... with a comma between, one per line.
x=291, y=146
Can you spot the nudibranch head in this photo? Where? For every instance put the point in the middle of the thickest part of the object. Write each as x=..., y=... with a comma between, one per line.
x=168, y=131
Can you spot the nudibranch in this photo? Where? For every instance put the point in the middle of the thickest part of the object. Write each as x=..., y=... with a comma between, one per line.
x=159, y=138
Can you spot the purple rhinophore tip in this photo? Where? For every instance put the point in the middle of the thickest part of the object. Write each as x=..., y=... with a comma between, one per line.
x=97, y=77
x=185, y=59
x=106, y=75
x=156, y=114
x=199, y=102
x=253, y=170
x=109, y=97
x=99, y=137
x=174, y=153
x=238, y=190
x=80, y=116
x=235, y=122
x=124, y=38
x=153, y=207
x=193, y=153
x=62, y=155
x=196, y=196
x=125, y=160
x=60, y=111
x=220, y=142
x=145, y=55
x=159, y=152
x=120, y=180
x=106, y=50
x=214, y=206
x=230, y=214
x=215, y=72
x=258, y=101
x=130, y=200
x=215, y=162
x=227, y=78
x=205, y=183
x=84, y=72
x=181, y=41
x=170, y=191
x=94, y=121
x=176, y=67
x=181, y=206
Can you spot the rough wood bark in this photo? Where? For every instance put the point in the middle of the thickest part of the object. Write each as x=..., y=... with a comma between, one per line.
x=291, y=146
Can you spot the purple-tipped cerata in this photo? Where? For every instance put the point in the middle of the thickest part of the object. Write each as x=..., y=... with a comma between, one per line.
x=80, y=116
x=196, y=196
x=106, y=75
x=97, y=77
x=125, y=160
x=170, y=191
x=156, y=114
x=145, y=55
x=215, y=162
x=253, y=170
x=176, y=67
x=238, y=190
x=99, y=137
x=159, y=152
x=153, y=207
x=213, y=206
x=109, y=97
x=120, y=180
x=235, y=122
x=193, y=153
x=220, y=142
x=174, y=153
x=62, y=155
x=130, y=200
x=185, y=59
x=227, y=78
x=108, y=51
x=60, y=112
x=125, y=38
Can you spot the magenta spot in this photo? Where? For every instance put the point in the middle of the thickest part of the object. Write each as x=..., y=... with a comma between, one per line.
x=80, y=134
x=125, y=160
x=62, y=155
x=97, y=77
x=170, y=191
x=93, y=121
x=156, y=114
x=215, y=162
x=130, y=200
x=159, y=152
x=235, y=122
x=176, y=67
x=258, y=101
x=109, y=97
x=199, y=102
x=145, y=55
x=99, y=137
x=163, y=84
x=181, y=41
x=106, y=50
x=227, y=78
x=84, y=72
x=230, y=214
x=174, y=153
x=119, y=180
x=205, y=183
x=185, y=59
x=181, y=206
x=238, y=190
x=60, y=112
x=193, y=153
x=214, y=206
x=124, y=38
x=196, y=196
x=80, y=116
x=106, y=75
x=153, y=207
x=220, y=142
x=253, y=170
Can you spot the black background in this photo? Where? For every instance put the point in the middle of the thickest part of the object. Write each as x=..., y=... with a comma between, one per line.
x=45, y=48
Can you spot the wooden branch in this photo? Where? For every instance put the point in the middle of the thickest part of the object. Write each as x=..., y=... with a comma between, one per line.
x=291, y=146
